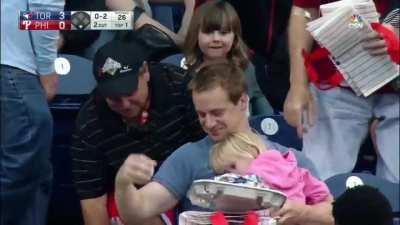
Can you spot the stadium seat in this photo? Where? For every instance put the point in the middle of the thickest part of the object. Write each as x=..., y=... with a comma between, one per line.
x=338, y=184
x=163, y=14
x=73, y=90
x=79, y=80
x=277, y=129
x=105, y=36
x=176, y=60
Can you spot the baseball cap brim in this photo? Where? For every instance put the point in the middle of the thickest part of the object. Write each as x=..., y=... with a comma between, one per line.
x=123, y=85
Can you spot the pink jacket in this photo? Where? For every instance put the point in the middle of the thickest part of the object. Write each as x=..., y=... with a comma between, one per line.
x=281, y=172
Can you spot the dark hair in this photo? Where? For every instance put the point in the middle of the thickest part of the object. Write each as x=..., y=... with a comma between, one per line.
x=362, y=205
x=225, y=75
x=210, y=16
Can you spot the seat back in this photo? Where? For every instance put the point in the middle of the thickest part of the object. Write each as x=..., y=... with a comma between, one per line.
x=64, y=203
x=338, y=184
x=73, y=91
x=163, y=13
x=79, y=80
x=177, y=60
x=277, y=130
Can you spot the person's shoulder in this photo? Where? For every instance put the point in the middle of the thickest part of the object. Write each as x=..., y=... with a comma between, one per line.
x=187, y=154
x=194, y=149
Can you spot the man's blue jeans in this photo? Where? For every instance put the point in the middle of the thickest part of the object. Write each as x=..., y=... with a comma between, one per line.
x=26, y=135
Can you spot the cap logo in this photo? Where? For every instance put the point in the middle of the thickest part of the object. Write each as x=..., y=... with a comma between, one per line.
x=111, y=66
x=125, y=69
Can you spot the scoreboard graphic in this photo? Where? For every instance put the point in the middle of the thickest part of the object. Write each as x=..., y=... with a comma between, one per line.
x=76, y=20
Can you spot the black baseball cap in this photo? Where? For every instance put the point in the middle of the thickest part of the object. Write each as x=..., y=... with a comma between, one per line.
x=116, y=67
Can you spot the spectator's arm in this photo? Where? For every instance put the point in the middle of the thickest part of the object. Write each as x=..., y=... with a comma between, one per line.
x=145, y=19
x=374, y=43
x=319, y=214
x=179, y=37
x=49, y=83
x=299, y=39
x=45, y=42
x=137, y=206
x=187, y=17
x=45, y=47
x=299, y=99
x=298, y=213
x=94, y=211
x=88, y=172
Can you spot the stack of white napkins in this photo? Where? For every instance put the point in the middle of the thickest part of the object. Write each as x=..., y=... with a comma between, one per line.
x=340, y=29
x=203, y=218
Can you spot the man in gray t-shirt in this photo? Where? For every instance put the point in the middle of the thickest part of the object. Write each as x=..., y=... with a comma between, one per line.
x=221, y=102
x=191, y=162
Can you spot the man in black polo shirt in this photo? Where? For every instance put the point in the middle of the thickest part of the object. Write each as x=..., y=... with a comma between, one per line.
x=137, y=107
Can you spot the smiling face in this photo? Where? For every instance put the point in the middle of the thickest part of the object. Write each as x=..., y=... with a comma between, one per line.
x=215, y=33
x=215, y=44
x=218, y=115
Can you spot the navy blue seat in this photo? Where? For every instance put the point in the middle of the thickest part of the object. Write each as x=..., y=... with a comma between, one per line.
x=64, y=208
x=79, y=81
x=174, y=60
x=163, y=13
x=337, y=185
x=277, y=129
x=73, y=91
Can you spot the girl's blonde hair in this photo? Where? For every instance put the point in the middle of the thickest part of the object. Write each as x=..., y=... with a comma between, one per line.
x=236, y=145
x=210, y=16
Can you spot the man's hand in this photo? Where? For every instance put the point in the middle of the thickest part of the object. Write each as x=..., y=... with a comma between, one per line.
x=292, y=213
x=49, y=83
x=299, y=108
x=137, y=169
x=374, y=44
x=123, y=5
